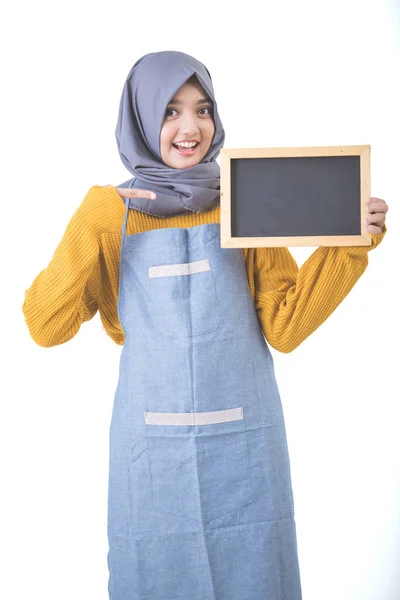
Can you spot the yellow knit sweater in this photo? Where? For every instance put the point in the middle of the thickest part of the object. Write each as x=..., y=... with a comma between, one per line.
x=82, y=276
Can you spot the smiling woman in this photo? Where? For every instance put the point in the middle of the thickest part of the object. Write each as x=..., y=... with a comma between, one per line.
x=188, y=127
x=200, y=502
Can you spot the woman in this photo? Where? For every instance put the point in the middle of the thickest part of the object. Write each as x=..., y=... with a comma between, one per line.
x=200, y=495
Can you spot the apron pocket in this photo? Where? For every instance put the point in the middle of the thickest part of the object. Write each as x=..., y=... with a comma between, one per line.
x=199, y=463
x=184, y=298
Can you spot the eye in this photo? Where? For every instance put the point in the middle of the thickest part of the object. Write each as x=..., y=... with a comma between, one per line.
x=168, y=111
x=206, y=108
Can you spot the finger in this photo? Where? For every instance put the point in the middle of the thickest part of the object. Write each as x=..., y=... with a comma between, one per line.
x=375, y=221
x=374, y=199
x=136, y=193
x=377, y=207
x=374, y=229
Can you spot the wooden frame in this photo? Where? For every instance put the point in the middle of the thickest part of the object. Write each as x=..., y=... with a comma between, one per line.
x=230, y=154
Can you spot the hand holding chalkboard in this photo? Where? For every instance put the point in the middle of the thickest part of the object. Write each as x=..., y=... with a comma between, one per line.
x=377, y=209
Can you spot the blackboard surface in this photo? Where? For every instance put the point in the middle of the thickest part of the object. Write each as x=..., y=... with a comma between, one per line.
x=294, y=196
x=318, y=195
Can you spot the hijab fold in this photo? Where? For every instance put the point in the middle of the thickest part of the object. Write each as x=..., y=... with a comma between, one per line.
x=150, y=85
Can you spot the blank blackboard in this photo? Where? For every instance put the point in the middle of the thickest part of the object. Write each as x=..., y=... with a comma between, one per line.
x=309, y=196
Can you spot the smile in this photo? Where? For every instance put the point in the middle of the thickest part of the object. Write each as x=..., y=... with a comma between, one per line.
x=185, y=150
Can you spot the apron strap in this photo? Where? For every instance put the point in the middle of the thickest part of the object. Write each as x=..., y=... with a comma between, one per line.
x=126, y=202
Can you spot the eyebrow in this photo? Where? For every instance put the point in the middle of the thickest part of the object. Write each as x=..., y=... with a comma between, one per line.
x=201, y=101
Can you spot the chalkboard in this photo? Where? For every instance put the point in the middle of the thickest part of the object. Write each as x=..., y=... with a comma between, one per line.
x=299, y=196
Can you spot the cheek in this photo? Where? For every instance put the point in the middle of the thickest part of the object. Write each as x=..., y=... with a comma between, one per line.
x=166, y=137
x=210, y=131
x=208, y=134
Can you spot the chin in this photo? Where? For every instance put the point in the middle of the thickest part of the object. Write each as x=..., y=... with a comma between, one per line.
x=183, y=164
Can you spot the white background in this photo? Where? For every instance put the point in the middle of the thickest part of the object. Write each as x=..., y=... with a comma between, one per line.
x=285, y=74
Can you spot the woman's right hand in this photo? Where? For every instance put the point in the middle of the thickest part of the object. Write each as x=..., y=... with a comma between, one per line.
x=134, y=193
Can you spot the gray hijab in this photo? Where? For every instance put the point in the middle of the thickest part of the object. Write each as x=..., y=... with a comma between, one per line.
x=150, y=85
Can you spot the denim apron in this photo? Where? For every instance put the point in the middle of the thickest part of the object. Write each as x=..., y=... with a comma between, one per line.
x=200, y=502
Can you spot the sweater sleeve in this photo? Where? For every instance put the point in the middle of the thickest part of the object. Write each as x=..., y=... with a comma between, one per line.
x=67, y=292
x=291, y=302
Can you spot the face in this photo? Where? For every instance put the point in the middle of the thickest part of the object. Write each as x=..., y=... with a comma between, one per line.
x=188, y=118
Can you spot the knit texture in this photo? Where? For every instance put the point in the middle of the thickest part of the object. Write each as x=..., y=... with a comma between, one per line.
x=83, y=275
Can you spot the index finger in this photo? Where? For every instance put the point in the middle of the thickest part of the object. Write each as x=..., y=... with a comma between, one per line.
x=136, y=193
x=375, y=205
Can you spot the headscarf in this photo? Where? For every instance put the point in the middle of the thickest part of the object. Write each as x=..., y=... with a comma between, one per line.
x=150, y=85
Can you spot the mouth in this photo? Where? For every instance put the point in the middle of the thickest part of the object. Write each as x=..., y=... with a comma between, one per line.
x=183, y=151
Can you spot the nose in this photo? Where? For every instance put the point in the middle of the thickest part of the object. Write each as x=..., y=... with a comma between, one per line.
x=189, y=126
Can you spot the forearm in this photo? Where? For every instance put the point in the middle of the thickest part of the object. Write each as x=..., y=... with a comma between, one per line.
x=291, y=303
x=65, y=293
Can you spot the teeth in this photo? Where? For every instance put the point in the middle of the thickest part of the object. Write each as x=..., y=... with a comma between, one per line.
x=186, y=144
